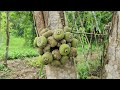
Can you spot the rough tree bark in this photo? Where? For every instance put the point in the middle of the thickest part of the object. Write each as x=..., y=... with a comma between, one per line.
x=39, y=20
x=112, y=68
x=54, y=20
x=8, y=36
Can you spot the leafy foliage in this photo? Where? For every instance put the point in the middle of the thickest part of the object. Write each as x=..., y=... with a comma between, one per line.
x=85, y=20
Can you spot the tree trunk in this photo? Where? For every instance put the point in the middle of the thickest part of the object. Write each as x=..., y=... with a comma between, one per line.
x=112, y=68
x=68, y=71
x=54, y=20
x=40, y=24
x=7, y=40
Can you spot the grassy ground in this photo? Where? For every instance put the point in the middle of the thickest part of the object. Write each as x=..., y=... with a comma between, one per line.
x=17, y=49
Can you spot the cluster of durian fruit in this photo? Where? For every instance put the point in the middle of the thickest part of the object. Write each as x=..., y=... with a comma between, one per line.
x=56, y=47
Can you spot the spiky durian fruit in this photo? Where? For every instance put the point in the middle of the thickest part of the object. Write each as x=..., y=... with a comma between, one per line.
x=56, y=54
x=48, y=33
x=74, y=42
x=47, y=48
x=67, y=29
x=73, y=52
x=40, y=51
x=68, y=36
x=35, y=42
x=43, y=31
x=63, y=41
x=41, y=41
x=64, y=59
x=52, y=41
x=58, y=34
x=47, y=58
x=56, y=63
x=64, y=49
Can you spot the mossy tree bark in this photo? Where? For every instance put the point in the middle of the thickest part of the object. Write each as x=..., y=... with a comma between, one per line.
x=112, y=67
x=54, y=20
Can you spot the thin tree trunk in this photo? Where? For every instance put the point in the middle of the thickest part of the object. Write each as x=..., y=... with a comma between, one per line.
x=68, y=71
x=7, y=40
x=112, y=67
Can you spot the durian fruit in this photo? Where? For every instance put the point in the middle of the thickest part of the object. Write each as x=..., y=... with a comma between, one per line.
x=58, y=34
x=68, y=36
x=43, y=31
x=47, y=58
x=73, y=52
x=52, y=41
x=64, y=49
x=48, y=33
x=74, y=42
x=67, y=29
x=56, y=63
x=63, y=41
x=41, y=41
x=56, y=54
x=35, y=42
x=40, y=51
x=47, y=48
x=64, y=59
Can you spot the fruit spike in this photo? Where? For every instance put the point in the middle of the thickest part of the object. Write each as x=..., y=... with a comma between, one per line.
x=73, y=52
x=74, y=42
x=64, y=59
x=47, y=58
x=40, y=51
x=58, y=34
x=67, y=29
x=56, y=54
x=35, y=42
x=64, y=49
x=47, y=48
x=41, y=41
x=68, y=36
x=56, y=63
x=48, y=33
x=43, y=31
x=52, y=41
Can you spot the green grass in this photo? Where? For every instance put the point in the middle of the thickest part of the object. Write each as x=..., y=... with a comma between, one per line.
x=85, y=67
x=17, y=49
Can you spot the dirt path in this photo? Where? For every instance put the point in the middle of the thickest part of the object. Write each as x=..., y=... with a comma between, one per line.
x=19, y=69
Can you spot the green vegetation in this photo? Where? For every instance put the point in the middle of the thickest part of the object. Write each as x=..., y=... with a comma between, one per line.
x=22, y=35
x=18, y=49
x=85, y=68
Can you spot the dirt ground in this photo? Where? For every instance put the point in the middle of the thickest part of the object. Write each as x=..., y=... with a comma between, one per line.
x=20, y=69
